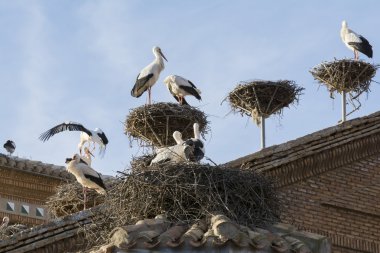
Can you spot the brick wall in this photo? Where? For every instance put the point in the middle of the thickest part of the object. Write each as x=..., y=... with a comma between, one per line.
x=343, y=204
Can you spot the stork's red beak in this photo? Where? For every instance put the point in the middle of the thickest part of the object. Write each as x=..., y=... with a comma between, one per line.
x=163, y=55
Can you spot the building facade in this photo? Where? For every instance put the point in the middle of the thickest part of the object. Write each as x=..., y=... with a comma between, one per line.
x=25, y=185
x=329, y=182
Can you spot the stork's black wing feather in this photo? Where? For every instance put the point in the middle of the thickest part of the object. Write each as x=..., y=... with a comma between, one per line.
x=103, y=136
x=140, y=85
x=71, y=126
x=191, y=90
x=184, y=102
x=363, y=47
x=97, y=180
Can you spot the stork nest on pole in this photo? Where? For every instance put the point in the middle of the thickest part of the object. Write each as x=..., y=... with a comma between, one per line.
x=347, y=75
x=154, y=124
x=186, y=192
x=260, y=98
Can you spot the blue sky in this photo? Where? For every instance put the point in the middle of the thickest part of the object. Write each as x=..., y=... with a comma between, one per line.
x=78, y=60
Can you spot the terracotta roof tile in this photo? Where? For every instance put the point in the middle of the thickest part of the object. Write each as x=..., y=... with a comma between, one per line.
x=38, y=167
x=152, y=234
x=219, y=233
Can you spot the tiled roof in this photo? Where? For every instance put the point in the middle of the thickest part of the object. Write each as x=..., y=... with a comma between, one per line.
x=219, y=234
x=64, y=235
x=35, y=167
x=322, y=150
x=59, y=235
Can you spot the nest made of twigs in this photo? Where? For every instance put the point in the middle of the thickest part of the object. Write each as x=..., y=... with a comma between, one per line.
x=154, y=124
x=68, y=199
x=260, y=98
x=186, y=192
x=347, y=75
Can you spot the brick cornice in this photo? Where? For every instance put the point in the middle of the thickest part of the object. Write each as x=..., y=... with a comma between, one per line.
x=316, y=153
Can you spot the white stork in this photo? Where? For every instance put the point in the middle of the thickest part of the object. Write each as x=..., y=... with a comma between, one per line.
x=180, y=87
x=85, y=175
x=90, y=136
x=87, y=156
x=355, y=42
x=175, y=153
x=10, y=147
x=195, y=148
x=149, y=75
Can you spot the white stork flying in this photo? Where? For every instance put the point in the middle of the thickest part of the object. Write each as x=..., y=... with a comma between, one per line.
x=95, y=136
x=85, y=175
x=180, y=87
x=10, y=147
x=195, y=148
x=355, y=42
x=149, y=75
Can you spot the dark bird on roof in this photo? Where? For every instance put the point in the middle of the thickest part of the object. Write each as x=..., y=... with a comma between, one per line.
x=90, y=136
x=355, y=42
x=10, y=147
x=149, y=75
x=85, y=175
x=180, y=87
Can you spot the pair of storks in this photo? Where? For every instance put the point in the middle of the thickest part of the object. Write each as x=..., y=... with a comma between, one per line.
x=178, y=86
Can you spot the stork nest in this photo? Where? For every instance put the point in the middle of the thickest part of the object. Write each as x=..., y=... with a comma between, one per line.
x=154, y=124
x=259, y=98
x=351, y=76
x=186, y=192
x=68, y=199
x=8, y=231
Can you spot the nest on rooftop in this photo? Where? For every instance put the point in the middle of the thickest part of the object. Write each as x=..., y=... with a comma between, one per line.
x=347, y=75
x=186, y=192
x=154, y=124
x=68, y=199
x=8, y=231
x=260, y=98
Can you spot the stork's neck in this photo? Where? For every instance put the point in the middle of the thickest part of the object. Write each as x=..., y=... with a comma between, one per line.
x=159, y=60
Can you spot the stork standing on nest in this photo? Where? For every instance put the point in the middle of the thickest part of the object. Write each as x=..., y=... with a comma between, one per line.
x=355, y=42
x=180, y=87
x=86, y=176
x=89, y=136
x=149, y=75
x=10, y=147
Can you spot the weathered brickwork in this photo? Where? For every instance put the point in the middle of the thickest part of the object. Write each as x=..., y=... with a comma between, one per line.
x=342, y=203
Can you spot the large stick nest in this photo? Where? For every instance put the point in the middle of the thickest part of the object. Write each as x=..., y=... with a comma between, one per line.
x=68, y=199
x=154, y=124
x=259, y=98
x=186, y=192
x=351, y=76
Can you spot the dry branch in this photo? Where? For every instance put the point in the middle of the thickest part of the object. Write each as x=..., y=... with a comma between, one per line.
x=154, y=124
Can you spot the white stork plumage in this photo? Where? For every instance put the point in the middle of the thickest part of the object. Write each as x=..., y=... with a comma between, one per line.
x=195, y=147
x=355, y=42
x=149, y=75
x=175, y=153
x=180, y=87
x=10, y=146
x=85, y=175
x=90, y=136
